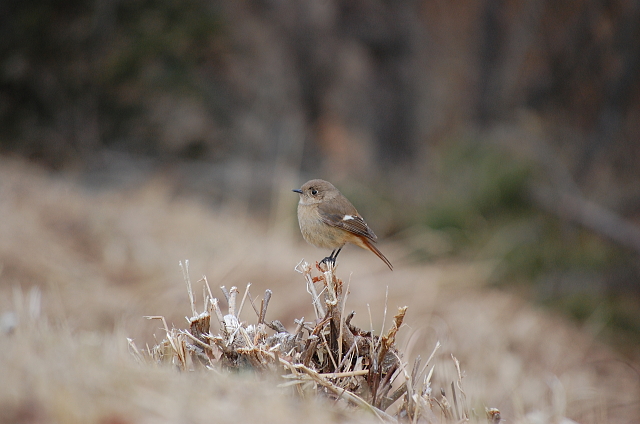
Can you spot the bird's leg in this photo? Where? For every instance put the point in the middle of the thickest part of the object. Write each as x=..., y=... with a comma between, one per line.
x=331, y=258
x=335, y=255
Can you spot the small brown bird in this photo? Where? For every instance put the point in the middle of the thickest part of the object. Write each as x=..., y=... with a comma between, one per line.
x=327, y=219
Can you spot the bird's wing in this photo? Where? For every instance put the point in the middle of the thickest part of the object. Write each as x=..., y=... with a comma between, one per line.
x=351, y=222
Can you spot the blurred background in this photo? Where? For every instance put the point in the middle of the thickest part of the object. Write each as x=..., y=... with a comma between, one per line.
x=498, y=132
x=507, y=130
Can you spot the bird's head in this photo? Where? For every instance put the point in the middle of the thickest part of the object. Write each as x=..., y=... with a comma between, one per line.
x=316, y=191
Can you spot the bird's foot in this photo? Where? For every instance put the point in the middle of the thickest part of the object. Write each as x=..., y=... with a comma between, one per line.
x=328, y=262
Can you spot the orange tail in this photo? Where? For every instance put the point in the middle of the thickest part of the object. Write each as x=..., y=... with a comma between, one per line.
x=369, y=245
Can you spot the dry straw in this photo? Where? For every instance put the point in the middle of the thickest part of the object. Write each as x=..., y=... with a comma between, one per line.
x=328, y=356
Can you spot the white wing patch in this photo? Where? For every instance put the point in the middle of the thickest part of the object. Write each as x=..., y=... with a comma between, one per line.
x=348, y=217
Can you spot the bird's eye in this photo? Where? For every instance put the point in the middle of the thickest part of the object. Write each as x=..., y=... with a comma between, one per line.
x=314, y=191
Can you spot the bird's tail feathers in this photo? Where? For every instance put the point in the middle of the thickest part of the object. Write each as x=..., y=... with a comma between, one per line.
x=369, y=244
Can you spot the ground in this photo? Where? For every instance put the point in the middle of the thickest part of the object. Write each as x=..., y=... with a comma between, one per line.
x=80, y=268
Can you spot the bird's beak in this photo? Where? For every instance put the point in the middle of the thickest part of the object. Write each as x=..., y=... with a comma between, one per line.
x=297, y=190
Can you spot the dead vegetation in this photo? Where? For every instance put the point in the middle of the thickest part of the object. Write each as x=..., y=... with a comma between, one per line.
x=328, y=355
x=79, y=268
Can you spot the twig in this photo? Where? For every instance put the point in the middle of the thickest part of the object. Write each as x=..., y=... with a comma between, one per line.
x=370, y=321
x=459, y=384
x=344, y=374
x=346, y=356
x=216, y=308
x=264, y=306
x=137, y=354
x=185, y=275
x=433, y=353
x=310, y=349
x=305, y=269
x=455, y=400
x=225, y=292
x=253, y=305
x=340, y=334
x=331, y=284
x=353, y=398
x=384, y=315
x=206, y=283
x=233, y=294
x=166, y=327
x=333, y=360
x=244, y=297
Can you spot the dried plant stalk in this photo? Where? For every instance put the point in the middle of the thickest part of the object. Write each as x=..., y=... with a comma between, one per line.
x=330, y=356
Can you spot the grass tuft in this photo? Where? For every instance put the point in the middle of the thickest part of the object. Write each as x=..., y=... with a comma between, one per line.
x=327, y=357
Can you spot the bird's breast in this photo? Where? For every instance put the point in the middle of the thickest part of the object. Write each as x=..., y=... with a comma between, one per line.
x=317, y=232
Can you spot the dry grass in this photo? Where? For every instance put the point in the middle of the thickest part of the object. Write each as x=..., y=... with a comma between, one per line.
x=327, y=356
x=53, y=376
x=80, y=269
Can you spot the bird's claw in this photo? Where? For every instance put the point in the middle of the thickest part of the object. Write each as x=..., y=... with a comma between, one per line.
x=329, y=260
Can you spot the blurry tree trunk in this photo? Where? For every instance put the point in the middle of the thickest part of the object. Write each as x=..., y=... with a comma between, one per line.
x=618, y=93
x=491, y=49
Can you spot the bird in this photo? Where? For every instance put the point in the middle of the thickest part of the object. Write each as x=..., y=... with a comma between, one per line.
x=328, y=220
